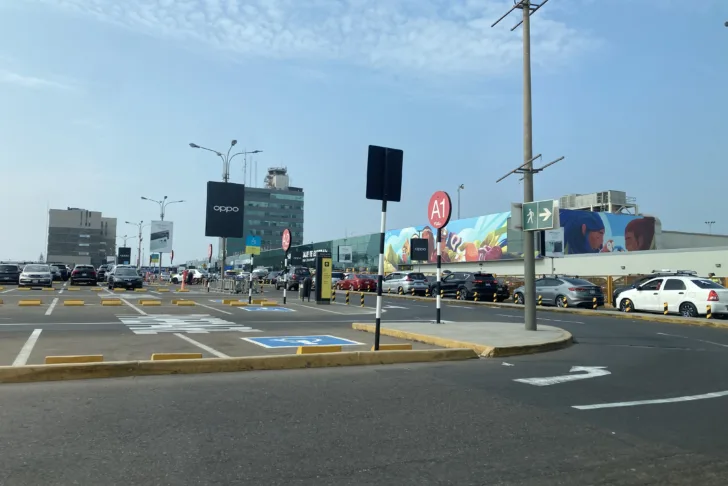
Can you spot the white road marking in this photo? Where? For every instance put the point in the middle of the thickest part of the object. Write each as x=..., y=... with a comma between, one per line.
x=51, y=307
x=541, y=319
x=60, y=291
x=591, y=372
x=27, y=348
x=318, y=308
x=6, y=291
x=215, y=309
x=133, y=306
x=688, y=398
x=693, y=339
x=459, y=306
x=204, y=347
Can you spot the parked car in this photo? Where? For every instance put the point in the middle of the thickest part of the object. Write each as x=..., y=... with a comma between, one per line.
x=9, y=273
x=101, y=272
x=36, y=274
x=273, y=276
x=63, y=268
x=563, y=291
x=56, y=273
x=336, y=277
x=358, y=282
x=643, y=280
x=464, y=285
x=689, y=296
x=84, y=274
x=126, y=278
x=405, y=282
x=293, y=278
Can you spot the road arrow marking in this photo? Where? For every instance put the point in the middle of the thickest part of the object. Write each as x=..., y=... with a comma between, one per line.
x=591, y=372
x=545, y=214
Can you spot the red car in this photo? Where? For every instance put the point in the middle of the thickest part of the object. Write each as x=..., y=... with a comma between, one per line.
x=358, y=283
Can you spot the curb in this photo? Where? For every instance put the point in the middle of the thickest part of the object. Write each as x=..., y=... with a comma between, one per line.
x=483, y=350
x=120, y=369
x=699, y=322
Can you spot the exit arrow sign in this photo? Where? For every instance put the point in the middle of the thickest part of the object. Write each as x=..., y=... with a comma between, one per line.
x=586, y=372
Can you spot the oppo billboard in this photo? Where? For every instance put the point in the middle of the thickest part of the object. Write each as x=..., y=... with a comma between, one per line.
x=225, y=204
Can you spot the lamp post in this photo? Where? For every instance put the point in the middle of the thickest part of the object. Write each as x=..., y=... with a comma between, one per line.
x=125, y=237
x=140, y=226
x=162, y=207
x=460, y=188
x=225, y=178
x=710, y=226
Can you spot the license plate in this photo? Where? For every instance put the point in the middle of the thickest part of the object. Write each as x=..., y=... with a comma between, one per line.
x=84, y=274
x=35, y=281
x=593, y=291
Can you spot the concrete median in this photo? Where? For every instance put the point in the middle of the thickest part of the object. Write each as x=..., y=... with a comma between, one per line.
x=120, y=369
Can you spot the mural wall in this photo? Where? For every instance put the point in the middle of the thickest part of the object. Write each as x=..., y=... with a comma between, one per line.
x=589, y=232
x=476, y=239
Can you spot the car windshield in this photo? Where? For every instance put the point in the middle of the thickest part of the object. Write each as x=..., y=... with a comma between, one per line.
x=8, y=268
x=126, y=272
x=577, y=281
x=84, y=268
x=54, y=268
x=337, y=275
x=417, y=276
x=707, y=284
x=37, y=268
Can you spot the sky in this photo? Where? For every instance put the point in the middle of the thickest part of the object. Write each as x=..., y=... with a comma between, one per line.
x=99, y=100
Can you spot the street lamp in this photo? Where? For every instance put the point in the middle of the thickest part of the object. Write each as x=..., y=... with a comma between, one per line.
x=460, y=187
x=125, y=237
x=226, y=178
x=162, y=206
x=710, y=226
x=140, y=225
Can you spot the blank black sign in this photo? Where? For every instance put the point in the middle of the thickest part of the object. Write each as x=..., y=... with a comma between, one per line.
x=124, y=257
x=419, y=249
x=384, y=173
x=225, y=205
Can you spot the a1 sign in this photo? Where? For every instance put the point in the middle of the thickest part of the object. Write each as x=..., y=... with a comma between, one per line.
x=439, y=209
x=286, y=239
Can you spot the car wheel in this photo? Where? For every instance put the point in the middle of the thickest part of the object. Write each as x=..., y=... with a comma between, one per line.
x=463, y=294
x=518, y=298
x=688, y=310
x=624, y=304
x=560, y=301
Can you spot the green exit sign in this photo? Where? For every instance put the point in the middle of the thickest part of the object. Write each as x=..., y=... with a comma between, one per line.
x=538, y=215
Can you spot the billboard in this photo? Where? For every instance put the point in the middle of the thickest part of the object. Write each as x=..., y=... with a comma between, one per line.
x=124, y=257
x=419, y=249
x=346, y=254
x=476, y=239
x=592, y=232
x=554, y=242
x=160, y=238
x=224, y=213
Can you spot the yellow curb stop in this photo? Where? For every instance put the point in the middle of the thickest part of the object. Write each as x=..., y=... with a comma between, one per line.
x=237, y=303
x=149, y=302
x=318, y=349
x=29, y=303
x=74, y=303
x=74, y=289
x=168, y=356
x=88, y=358
x=185, y=303
x=110, y=302
x=119, y=290
x=162, y=290
x=394, y=347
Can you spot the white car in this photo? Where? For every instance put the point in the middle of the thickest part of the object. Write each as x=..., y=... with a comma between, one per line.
x=688, y=296
x=38, y=275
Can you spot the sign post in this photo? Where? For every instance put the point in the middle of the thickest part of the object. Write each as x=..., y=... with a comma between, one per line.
x=324, y=263
x=439, y=210
x=285, y=244
x=252, y=247
x=384, y=183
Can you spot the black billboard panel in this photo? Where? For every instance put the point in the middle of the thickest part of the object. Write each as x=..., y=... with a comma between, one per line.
x=419, y=249
x=124, y=257
x=384, y=173
x=225, y=206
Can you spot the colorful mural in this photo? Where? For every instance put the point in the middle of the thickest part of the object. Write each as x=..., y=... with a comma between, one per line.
x=477, y=239
x=589, y=232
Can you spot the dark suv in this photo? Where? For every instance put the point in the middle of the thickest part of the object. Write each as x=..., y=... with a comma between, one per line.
x=9, y=273
x=295, y=276
x=65, y=272
x=101, y=272
x=464, y=285
x=645, y=279
x=84, y=274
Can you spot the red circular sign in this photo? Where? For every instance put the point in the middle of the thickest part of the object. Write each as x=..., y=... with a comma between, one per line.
x=209, y=251
x=439, y=209
x=286, y=239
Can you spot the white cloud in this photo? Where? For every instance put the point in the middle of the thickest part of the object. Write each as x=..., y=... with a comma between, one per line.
x=430, y=37
x=9, y=77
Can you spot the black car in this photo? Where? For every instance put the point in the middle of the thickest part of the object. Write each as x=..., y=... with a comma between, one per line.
x=295, y=276
x=101, y=272
x=465, y=285
x=84, y=274
x=126, y=278
x=9, y=273
x=654, y=274
x=65, y=272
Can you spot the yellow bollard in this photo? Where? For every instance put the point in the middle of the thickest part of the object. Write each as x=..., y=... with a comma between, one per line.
x=427, y=292
x=442, y=294
x=495, y=297
x=475, y=296
x=664, y=308
x=389, y=290
x=566, y=302
x=709, y=313
x=401, y=291
x=362, y=299
x=347, y=297
x=540, y=300
x=333, y=296
x=594, y=303
x=413, y=291
x=457, y=295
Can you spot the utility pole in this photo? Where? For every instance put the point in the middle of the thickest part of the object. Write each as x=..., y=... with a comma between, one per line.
x=140, y=226
x=460, y=188
x=529, y=257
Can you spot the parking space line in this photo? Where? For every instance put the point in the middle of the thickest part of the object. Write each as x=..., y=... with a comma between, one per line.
x=318, y=308
x=51, y=307
x=688, y=398
x=6, y=291
x=693, y=339
x=27, y=348
x=541, y=319
x=204, y=347
x=213, y=308
x=133, y=306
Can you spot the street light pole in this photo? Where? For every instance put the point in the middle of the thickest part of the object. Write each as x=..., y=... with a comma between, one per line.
x=460, y=187
x=139, y=225
x=226, y=159
x=162, y=207
x=710, y=226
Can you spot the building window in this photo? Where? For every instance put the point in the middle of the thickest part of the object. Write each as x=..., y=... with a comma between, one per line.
x=84, y=236
x=83, y=244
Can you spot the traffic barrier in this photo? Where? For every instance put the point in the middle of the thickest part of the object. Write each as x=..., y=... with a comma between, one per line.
x=442, y=294
x=664, y=308
x=29, y=303
x=237, y=303
x=362, y=299
x=74, y=289
x=628, y=306
x=168, y=356
x=186, y=303
x=87, y=358
x=111, y=302
x=74, y=303
x=228, y=301
x=594, y=303
x=540, y=300
x=709, y=312
x=318, y=349
x=400, y=291
x=347, y=297
x=147, y=303
x=457, y=294
x=259, y=301
x=394, y=347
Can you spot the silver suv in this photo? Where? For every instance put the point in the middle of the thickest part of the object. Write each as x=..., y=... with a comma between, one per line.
x=405, y=282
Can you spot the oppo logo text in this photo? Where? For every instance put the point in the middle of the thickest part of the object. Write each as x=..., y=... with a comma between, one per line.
x=225, y=209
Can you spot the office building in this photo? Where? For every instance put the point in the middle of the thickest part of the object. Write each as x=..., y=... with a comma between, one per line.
x=269, y=210
x=79, y=236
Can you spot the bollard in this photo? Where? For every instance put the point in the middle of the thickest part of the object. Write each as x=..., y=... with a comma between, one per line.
x=664, y=308
x=540, y=300
x=442, y=294
x=475, y=296
x=333, y=296
x=389, y=290
x=628, y=306
x=401, y=291
x=362, y=299
x=427, y=292
x=709, y=312
x=566, y=302
x=347, y=297
x=495, y=296
x=457, y=294
x=594, y=303
x=413, y=291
